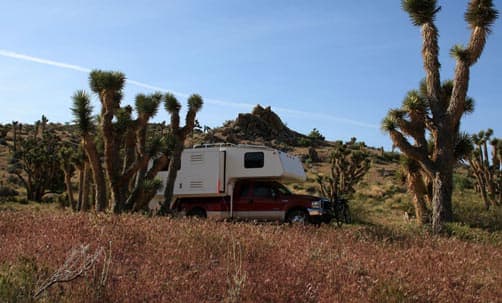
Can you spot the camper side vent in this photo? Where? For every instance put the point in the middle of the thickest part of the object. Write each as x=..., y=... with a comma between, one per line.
x=196, y=184
x=196, y=158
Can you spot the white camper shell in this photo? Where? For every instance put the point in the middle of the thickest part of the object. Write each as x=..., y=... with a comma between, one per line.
x=211, y=170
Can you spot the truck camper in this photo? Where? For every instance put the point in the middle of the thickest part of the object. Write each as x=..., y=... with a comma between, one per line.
x=241, y=181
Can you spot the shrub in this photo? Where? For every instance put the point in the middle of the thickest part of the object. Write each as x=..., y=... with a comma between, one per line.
x=6, y=191
x=462, y=182
x=18, y=281
x=389, y=157
x=315, y=135
x=304, y=142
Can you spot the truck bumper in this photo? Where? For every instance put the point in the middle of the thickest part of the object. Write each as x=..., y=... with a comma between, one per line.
x=315, y=212
x=320, y=215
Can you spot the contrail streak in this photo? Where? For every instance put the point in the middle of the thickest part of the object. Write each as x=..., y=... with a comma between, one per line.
x=15, y=55
x=9, y=54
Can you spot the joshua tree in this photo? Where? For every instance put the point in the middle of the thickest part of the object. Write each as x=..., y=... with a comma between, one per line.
x=119, y=135
x=440, y=111
x=108, y=86
x=82, y=111
x=35, y=162
x=487, y=170
x=178, y=135
x=349, y=163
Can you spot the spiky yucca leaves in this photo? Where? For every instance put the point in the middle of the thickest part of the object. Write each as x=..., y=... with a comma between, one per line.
x=195, y=102
x=147, y=106
x=349, y=163
x=194, y=105
x=420, y=11
x=171, y=104
x=82, y=112
x=100, y=81
x=481, y=13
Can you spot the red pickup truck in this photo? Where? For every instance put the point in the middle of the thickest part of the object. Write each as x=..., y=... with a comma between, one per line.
x=260, y=200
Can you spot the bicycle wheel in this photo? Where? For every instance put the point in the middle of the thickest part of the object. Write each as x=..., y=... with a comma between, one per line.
x=338, y=215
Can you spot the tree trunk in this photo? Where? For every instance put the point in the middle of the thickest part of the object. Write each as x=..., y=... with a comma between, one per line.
x=81, y=176
x=174, y=166
x=111, y=155
x=86, y=190
x=97, y=174
x=69, y=190
x=417, y=187
x=441, y=200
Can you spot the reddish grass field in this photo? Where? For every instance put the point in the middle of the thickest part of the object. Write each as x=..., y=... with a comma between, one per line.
x=181, y=260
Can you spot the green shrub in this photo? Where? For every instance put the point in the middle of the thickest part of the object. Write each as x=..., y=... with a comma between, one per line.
x=18, y=281
x=304, y=142
x=462, y=182
x=465, y=232
x=315, y=135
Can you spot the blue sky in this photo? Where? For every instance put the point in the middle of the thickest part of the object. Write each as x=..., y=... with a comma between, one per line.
x=337, y=66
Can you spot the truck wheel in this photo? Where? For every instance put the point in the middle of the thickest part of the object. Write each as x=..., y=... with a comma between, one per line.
x=297, y=216
x=197, y=213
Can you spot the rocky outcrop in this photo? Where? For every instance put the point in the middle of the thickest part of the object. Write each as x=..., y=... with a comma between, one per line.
x=262, y=124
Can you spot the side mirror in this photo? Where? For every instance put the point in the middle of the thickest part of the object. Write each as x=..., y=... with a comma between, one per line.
x=274, y=195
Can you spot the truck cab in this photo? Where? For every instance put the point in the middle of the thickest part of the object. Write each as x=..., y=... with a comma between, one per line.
x=259, y=200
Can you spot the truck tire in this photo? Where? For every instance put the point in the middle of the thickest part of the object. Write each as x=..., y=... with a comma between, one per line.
x=197, y=213
x=297, y=216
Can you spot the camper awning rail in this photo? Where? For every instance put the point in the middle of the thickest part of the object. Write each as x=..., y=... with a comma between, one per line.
x=211, y=145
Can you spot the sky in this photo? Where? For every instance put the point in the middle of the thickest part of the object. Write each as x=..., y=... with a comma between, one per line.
x=337, y=66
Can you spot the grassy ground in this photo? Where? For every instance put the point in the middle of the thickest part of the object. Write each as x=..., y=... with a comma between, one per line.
x=142, y=259
x=383, y=257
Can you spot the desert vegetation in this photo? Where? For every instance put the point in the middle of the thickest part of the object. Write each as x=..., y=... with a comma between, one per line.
x=437, y=108
x=182, y=260
x=426, y=219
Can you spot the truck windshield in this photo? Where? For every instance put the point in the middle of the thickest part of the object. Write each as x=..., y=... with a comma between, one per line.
x=282, y=189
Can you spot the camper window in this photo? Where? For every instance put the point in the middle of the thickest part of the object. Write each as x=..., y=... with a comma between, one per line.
x=254, y=160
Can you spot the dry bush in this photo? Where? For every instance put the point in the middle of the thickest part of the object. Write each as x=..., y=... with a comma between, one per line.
x=183, y=260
